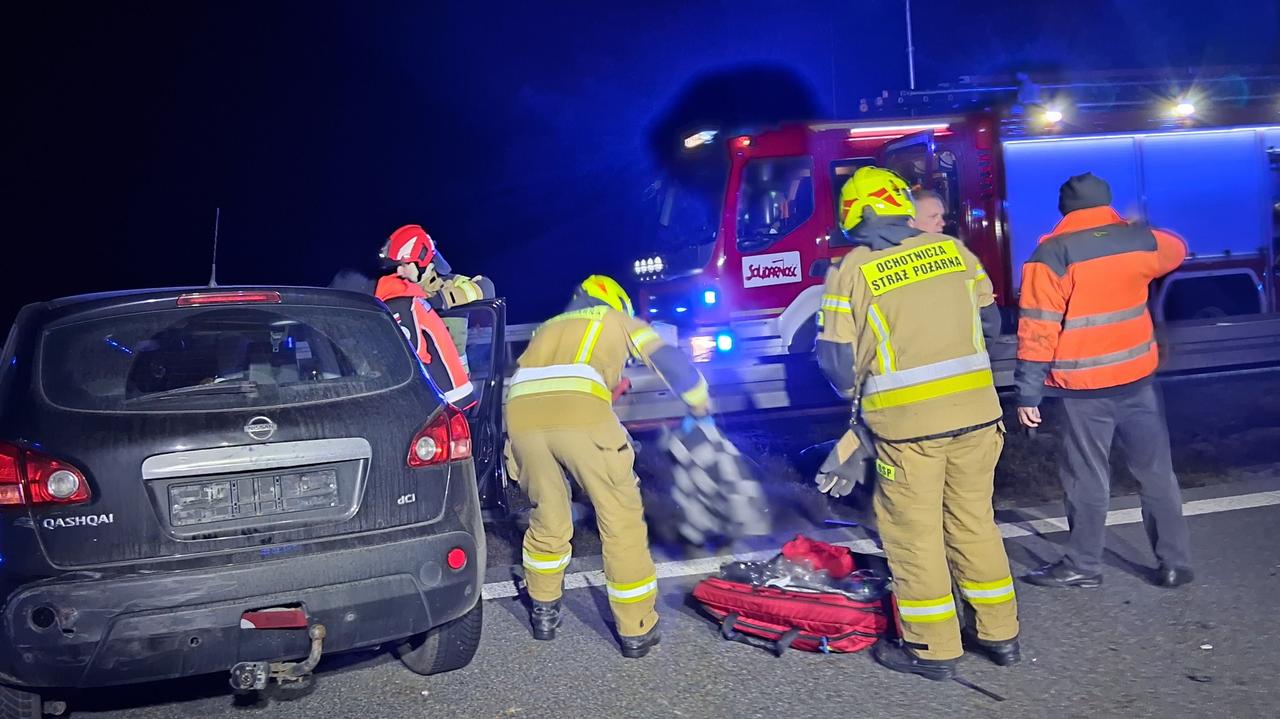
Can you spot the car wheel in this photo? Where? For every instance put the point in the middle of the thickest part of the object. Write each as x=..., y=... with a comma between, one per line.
x=17, y=704
x=447, y=647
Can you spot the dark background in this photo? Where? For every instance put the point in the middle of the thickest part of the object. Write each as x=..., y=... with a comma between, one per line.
x=520, y=134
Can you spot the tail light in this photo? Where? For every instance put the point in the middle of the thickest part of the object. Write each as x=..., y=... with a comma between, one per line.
x=236, y=297
x=447, y=437
x=28, y=476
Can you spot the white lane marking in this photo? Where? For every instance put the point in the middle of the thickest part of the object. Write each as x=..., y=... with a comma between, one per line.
x=711, y=565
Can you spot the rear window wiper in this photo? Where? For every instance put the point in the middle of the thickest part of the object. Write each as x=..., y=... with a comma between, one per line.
x=237, y=387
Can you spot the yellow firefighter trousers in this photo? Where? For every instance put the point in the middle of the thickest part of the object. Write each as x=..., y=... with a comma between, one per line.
x=600, y=458
x=933, y=507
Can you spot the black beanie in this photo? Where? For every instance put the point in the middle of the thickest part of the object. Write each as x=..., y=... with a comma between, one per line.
x=1082, y=192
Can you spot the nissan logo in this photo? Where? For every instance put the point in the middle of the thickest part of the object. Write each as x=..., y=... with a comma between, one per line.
x=260, y=428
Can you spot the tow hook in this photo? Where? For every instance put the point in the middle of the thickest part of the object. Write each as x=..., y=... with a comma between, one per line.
x=253, y=676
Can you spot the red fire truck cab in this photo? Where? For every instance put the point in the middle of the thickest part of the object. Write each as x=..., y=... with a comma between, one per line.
x=1200, y=165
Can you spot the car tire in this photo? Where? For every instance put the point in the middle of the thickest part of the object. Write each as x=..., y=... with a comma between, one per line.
x=447, y=647
x=17, y=704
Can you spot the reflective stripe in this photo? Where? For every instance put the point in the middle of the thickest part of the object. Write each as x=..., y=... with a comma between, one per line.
x=544, y=386
x=981, y=274
x=546, y=563
x=644, y=336
x=698, y=396
x=588, y=344
x=1104, y=360
x=919, y=375
x=884, y=350
x=927, y=610
x=979, y=343
x=1105, y=318
x=459, y=392
x=836, y=303
x=633, y=592
x=524, y=374
x=559, y=378
x=1032, y=313
x=928, y=390
x=987, y=592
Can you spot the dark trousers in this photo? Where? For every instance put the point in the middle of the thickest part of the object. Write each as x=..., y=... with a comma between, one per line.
x=1137, y=420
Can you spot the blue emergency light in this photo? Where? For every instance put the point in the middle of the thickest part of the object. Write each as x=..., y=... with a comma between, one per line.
x=724, y=342
x=709, y=297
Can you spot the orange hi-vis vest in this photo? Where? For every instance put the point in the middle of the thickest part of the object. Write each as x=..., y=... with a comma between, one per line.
x=429, y=338
x=1083, y=321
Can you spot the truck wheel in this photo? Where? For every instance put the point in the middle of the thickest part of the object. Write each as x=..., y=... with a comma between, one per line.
x=17, y=704
x=805, y=338
x=445, y=648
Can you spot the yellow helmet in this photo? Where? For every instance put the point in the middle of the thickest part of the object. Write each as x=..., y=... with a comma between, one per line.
x=887, y=194
x=607, y=290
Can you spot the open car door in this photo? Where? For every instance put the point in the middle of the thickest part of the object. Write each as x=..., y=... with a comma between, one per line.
x=912, y=157
x=479, y=328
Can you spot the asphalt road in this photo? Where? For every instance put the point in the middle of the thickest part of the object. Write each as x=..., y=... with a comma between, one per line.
x=1220, y=431
x=1127, y=649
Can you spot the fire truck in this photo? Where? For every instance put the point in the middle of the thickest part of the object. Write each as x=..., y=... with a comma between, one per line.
x=1197, y=154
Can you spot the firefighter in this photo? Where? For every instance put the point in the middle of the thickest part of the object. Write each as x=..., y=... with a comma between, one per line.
x=447, y=290
x=410, y=251
x=1085, y=335
x=906, y=317
x=559, y=415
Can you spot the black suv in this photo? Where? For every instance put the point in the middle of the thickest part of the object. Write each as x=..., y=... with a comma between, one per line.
x=196, y=480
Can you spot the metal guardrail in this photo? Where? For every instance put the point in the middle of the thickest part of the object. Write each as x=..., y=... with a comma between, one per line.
x=795, y=382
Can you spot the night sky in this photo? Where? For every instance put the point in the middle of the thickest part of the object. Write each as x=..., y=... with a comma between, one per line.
x=519, y=134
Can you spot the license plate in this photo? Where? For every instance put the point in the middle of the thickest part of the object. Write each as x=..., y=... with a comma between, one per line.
x=248, y=497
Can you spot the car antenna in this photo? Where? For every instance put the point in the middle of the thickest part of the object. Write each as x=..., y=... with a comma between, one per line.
x=213, y=274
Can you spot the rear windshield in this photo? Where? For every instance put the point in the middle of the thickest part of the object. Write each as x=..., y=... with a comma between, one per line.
x=219, y=358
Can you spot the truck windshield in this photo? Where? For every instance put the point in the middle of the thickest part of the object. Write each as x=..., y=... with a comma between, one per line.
x=774, y=197
x=686, y=215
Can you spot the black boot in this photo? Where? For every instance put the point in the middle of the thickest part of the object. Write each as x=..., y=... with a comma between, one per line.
x=899, y=658
x=545, y=618
x=1002, y=653
x=1061, y=575
x=636, y=647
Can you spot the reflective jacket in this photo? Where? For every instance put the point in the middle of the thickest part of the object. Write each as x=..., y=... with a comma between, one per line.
x=912, y=313
x=574, y=361
x=429, y=337
x=1083, y=322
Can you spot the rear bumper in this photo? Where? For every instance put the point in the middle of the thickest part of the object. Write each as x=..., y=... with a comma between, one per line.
x=149, y=627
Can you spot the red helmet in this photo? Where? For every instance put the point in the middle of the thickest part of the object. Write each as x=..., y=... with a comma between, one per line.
x=410, y=243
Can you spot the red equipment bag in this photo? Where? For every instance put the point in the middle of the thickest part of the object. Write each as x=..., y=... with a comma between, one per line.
x=811, y=621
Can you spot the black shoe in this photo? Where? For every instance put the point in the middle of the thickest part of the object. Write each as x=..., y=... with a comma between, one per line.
x=545, y=618
x=1174, y=576
x=636, y=647
x=1062, y=575
x=902, y=659
x=1002, y=653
